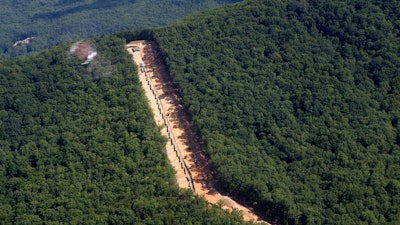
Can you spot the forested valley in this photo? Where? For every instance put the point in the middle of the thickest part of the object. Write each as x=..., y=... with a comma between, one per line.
x=52, y=22
x=297, y=104
x=79, y=145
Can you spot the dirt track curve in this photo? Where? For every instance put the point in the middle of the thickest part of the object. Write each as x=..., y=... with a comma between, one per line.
x=183, y=148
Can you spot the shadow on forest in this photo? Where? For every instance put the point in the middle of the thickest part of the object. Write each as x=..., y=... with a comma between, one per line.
x=99, y=4
x=178, y=115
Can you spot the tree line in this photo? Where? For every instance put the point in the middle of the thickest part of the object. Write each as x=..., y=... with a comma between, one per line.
x=296, y=103
x=79, y=145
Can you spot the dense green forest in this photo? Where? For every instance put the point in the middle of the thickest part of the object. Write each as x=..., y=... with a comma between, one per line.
x=78, y=145
x=52, y=22
x=297, y=104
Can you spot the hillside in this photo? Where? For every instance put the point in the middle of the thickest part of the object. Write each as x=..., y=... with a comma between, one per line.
x=78, y=145
x=297, y=104
x=56, y=21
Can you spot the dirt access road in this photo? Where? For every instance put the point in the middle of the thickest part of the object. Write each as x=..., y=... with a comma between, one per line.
x=183, y=148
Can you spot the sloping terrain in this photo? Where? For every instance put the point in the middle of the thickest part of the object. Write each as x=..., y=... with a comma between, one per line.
x=183, y=147
x=297, y=104
x=78, y=145
x=56, y=21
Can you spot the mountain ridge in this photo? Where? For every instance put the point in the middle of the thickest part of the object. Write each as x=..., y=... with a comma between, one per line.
x=293, y=100
x=296, y=103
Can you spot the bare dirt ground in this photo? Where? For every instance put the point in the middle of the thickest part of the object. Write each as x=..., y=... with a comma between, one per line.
x=187, y=157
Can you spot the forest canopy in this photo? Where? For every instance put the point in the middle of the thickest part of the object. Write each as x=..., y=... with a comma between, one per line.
x=78, y=145
x=52, y=22
x=297, y=104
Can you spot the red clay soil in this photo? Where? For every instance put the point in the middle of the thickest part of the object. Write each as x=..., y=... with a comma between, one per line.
x=175, y=125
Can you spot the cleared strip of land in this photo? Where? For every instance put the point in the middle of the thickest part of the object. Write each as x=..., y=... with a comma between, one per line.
x=183, y=148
